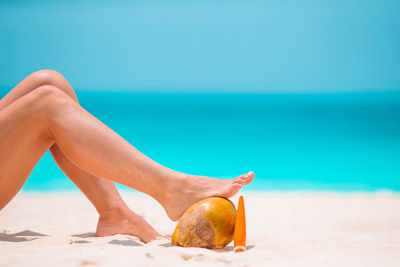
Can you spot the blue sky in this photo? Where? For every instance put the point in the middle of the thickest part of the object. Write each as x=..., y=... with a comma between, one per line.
x=224, y=46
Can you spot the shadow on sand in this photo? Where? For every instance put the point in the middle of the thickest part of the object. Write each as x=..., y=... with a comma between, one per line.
x=130, y=243
x=120, y=242
x=230, y=248
x=26, y=235
x=85, y=235
x=225, y=249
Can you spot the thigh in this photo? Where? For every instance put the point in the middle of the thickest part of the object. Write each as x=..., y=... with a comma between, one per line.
x=23, y=141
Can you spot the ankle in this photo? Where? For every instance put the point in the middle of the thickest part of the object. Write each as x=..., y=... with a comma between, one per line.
x=113, y=212
x=176, y=184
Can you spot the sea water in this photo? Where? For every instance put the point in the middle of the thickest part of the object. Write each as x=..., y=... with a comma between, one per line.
x=348, y=141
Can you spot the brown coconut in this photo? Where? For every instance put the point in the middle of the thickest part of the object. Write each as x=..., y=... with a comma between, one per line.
x=209, y=223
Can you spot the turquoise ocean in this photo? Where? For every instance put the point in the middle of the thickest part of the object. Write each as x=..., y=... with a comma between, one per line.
x=341, y=141
x=324, y=112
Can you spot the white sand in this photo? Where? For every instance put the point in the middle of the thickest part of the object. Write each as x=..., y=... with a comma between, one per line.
x=284, y=229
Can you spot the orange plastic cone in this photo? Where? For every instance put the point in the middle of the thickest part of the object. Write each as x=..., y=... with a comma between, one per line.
x=239, y=237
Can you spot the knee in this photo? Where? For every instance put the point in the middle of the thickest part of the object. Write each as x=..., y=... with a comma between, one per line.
x=48, y=98
x=54, y=78
x=45, y=77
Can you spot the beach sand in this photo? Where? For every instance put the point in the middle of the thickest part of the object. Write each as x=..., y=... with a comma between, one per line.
x=283, y=229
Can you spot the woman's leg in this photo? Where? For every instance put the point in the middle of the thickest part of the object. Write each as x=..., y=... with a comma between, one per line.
x=115, y=216
x=53, y=117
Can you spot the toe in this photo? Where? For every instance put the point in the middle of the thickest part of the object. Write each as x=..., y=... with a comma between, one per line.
x=250, y=177
x=245, y=178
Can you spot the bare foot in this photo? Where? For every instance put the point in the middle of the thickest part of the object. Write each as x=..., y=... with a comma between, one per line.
x=189, y=189
x=126, y=222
